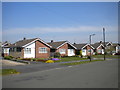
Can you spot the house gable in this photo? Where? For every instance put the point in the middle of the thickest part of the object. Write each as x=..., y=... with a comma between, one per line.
x=100, y=46
x=68, y=44
x=39, y=45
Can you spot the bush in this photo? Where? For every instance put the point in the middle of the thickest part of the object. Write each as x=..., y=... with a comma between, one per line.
x=57, y=54
x=26, y=59
x=88, y=57
x=49, y=61
x=8, y=57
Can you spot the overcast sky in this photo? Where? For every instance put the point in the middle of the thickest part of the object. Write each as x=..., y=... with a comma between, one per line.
x=60, y=21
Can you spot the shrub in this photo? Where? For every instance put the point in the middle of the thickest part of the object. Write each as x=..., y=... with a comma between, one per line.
x=8, y=57
x=57, y=54
x=26, y=59
x=88, y=57
x=49, y=61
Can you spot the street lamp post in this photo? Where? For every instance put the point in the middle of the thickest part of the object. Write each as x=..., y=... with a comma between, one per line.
x=90, y=44
x=104, y=41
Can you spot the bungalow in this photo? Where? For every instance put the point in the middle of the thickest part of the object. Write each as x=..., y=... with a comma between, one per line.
x=85, y=48
x=107, y=44
x=30, y=48
x=116, y=47
x=99, y=48
x=109, y=48
x=65, y=48
x=5, y=48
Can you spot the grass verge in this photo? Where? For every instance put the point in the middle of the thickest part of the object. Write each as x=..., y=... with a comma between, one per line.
x=66, y=59
x=81, y=62
x=107, y=56
x=8, y=71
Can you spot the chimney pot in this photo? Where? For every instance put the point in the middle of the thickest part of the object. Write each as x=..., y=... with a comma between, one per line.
x=100, y=41
x=51, y=40
x=24, y=38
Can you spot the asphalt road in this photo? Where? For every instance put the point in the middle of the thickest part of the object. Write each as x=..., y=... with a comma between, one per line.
x=101, y=74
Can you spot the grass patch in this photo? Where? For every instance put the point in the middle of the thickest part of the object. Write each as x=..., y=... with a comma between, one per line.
x=81, y=62
x=107, y=56
x=66, y=59
x=8, y=71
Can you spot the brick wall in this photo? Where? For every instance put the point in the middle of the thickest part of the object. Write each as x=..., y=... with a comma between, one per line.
x=5, y=54
x=65, y=46
x=98, y=49
x=88, y=47
x=41, y=55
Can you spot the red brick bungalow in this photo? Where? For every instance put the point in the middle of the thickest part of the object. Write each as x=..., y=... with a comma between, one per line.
x=30, y=48
x=65, y=48
x=85, y=48
x=99, y=48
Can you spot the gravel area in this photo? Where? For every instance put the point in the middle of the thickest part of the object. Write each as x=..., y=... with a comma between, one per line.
x=10, y=63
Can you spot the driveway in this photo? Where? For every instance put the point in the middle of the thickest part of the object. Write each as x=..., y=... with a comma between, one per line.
x=102, y=74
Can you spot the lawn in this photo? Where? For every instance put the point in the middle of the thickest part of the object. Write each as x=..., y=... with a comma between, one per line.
x=66, y=59
x=81, y=62
x=107, y=56
x=8, y=71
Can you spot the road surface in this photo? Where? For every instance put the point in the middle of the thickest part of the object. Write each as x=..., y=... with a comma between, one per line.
x=101, y=74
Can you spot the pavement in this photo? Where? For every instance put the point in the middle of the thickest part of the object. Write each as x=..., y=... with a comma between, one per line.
x=101, y=74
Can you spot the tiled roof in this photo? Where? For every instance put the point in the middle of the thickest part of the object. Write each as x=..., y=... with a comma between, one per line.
x=56, y=44
x=22, y=42
x=79, y=46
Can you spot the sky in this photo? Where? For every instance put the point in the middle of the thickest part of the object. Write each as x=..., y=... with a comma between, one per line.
x=58, y=21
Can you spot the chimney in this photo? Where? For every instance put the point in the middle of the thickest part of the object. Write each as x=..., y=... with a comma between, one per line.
x=24, y=38
x=51, y=40
x=100, y=41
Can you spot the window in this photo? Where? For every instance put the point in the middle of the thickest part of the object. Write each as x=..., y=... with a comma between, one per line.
x=6, y=50
x=99, y=50
x=89, y=50
x=12, y=49
x=18, y=49
x=71, y=51
x=27, y=50
x=42, y=50
x=83, y=50
x=62, y=51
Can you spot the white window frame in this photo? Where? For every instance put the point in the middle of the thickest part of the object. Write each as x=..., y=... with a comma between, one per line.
x=71, y=51
x=89, y=50
x=27, y=50
x=42, y=50
x=6, y=50
x=99, y=50
x=62, y=51
x=83, y=50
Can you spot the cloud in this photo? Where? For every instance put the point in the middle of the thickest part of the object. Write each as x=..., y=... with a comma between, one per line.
x=80, y=34
x=43, y=30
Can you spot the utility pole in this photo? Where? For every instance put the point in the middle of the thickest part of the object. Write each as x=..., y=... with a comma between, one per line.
x=104, y=42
